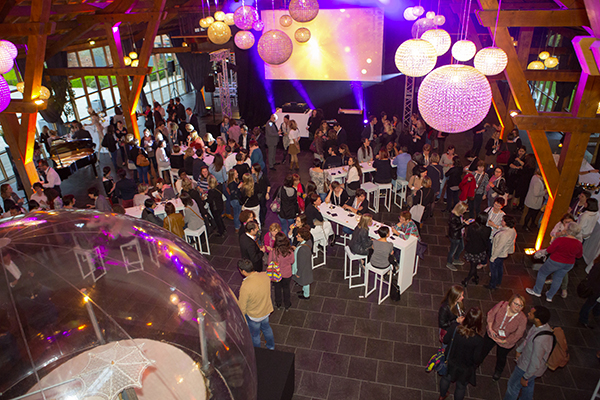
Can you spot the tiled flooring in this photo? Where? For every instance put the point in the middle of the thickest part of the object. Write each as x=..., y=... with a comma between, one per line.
x=349, y=348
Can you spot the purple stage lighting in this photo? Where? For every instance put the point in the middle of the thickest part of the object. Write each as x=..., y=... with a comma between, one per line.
x=298, y=86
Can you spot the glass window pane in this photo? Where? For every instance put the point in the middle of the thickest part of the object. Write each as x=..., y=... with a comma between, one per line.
x=103, y=81
x=90, y=82
x=95, y=102
x=108, y=56
x=107, y=97
x=72, y=60
x=99, y=59
x=85, y=58
x=117, y=95
x=82, y=106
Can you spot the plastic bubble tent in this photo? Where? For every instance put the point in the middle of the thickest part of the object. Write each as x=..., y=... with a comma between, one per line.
x=454, y=98
x=87, y=295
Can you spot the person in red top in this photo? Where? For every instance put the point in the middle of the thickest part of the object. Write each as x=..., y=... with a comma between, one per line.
x=467, y=187
x=563, y=251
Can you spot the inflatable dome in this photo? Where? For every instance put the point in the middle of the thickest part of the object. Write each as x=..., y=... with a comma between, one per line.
x=103, y=306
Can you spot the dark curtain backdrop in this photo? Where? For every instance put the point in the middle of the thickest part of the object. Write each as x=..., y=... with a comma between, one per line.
x=52, y=113
x=252, y=96
x=196, y=68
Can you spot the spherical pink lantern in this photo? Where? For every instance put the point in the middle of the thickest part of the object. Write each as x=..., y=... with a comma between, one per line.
x=275, y=47
x=285, y=20
x=408, y=14
x=304, y=10
x=245, y=17
x=422, y=25
x=418, y=11
x=490, y=60
x=244, y=40
x=6, y=61
x=11, y=48
x=302, y=35
x=463, y=50
x=4, y=94
x=454, y=98
x=258, y=26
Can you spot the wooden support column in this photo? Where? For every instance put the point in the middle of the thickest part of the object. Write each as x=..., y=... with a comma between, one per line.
x=27, y=171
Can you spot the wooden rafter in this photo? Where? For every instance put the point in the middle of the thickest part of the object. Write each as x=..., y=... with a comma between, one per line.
x=98, y=71
x=541, y=18
x=69, y=38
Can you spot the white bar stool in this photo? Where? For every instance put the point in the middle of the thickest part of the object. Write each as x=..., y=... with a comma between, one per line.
x=165, y=169
x=379, y=278
x=319, y=246
x=387, y=189
x=195, y=239
x=348, y=263
x=174, y=172
x=372, y=189
x=400, y=190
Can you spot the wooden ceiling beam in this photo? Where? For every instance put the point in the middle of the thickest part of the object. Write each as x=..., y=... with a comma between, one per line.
x=114, y=18
x=544, y=75
x=28, y=29
x=557, y=124
x=6, y=8
x=537, y=18
x=68, y=38
x=19, y=106
x=23, y=11
x=169, y=50
x=524, y=45
x=97, y=71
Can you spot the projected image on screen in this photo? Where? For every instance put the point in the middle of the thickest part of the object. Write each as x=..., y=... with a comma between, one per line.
x=344, y=45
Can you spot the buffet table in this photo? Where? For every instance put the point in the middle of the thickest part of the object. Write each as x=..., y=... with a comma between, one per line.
x=408, y=262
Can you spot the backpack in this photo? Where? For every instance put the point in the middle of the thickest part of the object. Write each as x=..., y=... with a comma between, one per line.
x=141, y=160
x=559, y=355
x=274, y=272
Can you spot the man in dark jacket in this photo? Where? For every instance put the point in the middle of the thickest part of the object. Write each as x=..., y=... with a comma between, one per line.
x=148, y=213
x=179, y=110
x=342, y=136
x=591, y=303
x=248, y=247
x=192, y=119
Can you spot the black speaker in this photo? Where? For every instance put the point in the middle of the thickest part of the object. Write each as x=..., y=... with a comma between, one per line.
x=209, y=84
x=171, y=67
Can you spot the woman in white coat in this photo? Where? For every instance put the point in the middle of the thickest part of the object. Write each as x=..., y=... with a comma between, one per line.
x=534, y=200
x=588, y=218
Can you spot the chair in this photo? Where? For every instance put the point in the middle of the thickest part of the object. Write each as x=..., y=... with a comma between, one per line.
x=387, y=189
x=163, y=169
x=319, y=246
x=372, y=189
x=400, y=190
x=380, y=274
x=195, y=239
x=349, y=262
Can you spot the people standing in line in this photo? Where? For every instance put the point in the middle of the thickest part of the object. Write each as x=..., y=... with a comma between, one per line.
x=506, y=324
x=302, y=267
x=436, y=173
x=272, y=139
x=262, y=186
x=255, y=303
x=283, y=255
x=476, y=249
x=503, y=244
x=463, y=354
x=456, y=224
x=531, y=356
x=216, y=203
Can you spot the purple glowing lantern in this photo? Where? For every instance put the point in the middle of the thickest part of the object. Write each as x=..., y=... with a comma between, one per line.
x=275, y=47
x=11, y=48
x=245, y=17
x=6, y=61
x=258, y=26
x=4, y=94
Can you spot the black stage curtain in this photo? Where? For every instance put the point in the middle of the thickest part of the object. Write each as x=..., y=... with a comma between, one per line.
x=252, y=97
x=196, y=67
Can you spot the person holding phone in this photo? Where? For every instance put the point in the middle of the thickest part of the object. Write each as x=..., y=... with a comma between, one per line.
x=456, y=224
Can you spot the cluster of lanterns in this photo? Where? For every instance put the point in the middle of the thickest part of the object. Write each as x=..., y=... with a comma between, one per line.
x=451, y=98
x=547, y=61
x=131, y=60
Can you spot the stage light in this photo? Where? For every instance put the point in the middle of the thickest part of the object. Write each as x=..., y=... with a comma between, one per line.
x=543, y=55
x=347, y=49
x=220, y=16
x=275, y=47
x=258, y=26
x=127, y=61
x=454, y=98
x=92, y=42
x=229, y=19
x=304, y=10
x=285, y=20
x=415, y=57
x=184, y=44
x=490, y=60
x=439, y=20
x=463, y=50
x=44, y=93
x=369, y=61
x=302, y=35
x=244, y=17
x=363, y=71
x=536, y=65
x=551, y=62
x=408, y=14
x=39, y=102
x=219, y=33
x=514, y=113
x=4, y=94
x=6, y=61
x=439, y=38
x=11, y=48
x=244, y=40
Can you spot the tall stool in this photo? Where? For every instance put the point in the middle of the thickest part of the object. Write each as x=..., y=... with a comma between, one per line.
x=386, y=188
x=174, y=173
x=165, y=169
x=372, y=189
x=400, y=190
x=195, y=239
x=319, y=246
x=349, y=262
x=380, y=274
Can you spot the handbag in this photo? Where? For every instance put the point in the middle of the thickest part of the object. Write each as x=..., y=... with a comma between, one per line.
x=421, y=249
x=416, y=211
x=438, y=361
x=274, y=272
x=142, y=161
x=276, y=203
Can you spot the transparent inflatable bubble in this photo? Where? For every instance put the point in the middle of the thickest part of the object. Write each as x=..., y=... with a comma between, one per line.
x=97, y=305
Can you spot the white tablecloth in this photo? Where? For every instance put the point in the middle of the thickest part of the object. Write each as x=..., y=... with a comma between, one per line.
x=339, y=174
x=408, y=261
x=301, y=120
x=159, y=210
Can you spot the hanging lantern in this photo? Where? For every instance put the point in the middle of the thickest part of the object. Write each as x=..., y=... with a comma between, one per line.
x=408, y=14
x=127, y=61
x=439, y=38
x=536, y=65
x=430, y=15
x=258, y=26
x=454, y=98
x=244, y=40
x=302, y=35
x=210, y=20
x=6, y=61
x=439, y=20
x=418, y=11
x=421, y=26
x=204, y=23
x=229, y=19
x=304, y=10
x=490, y=60
x=275, y=47
x=44, y=93
x=285, y=20
x=551, y=62
x=463, y=50
x=133, y=55
x=415, y=57
x=219, y=32
x=135, y=63
x=220, y=16
x=543, y=55
x=4, y=94
x=11, y=48
x=245, y=17
x=20, y=87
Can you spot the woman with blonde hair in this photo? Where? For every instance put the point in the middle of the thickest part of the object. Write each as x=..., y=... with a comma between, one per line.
x=360, y=242
x=456, y=224
x=294, y=147
x=249, y=199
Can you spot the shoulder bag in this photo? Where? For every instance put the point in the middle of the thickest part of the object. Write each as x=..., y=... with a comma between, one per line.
x=439, y=361
x=276, y=203
x=416, y=211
